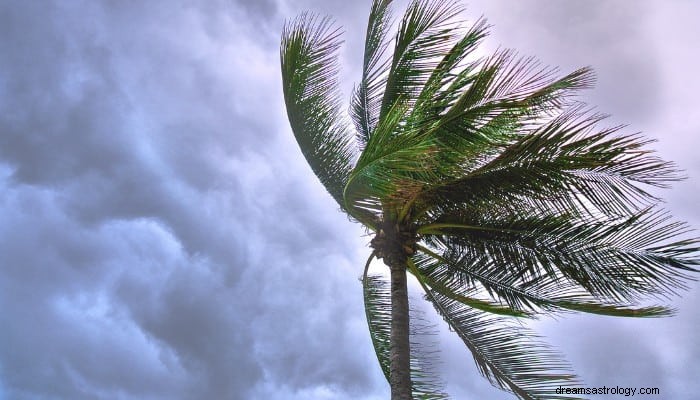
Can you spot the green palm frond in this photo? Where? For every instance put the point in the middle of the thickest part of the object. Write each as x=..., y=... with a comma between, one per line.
x=426, y=32
x=530, y=296
x=426, y=384
x=309, y=76
x=460, y=293
x=450, y=75
x=508, y=355
x=489, y=102
x=367, y=98
x=505, y=82
x=378, y=313
x=566, y=163
x=391, y=164
x=393, y=161
x=617, y=261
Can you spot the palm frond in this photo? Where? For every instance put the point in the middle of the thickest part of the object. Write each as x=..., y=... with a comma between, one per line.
x=486, y=107
x=500, y=95
x=395, y=160
x=449, y=75
x=565, y=162
x=508, y=355
x=425, y=383
x=367, y=98
x=505, y=82
x=460, y=293
x=545, y=294
x=308, y=56
x=617, y=261
x=426, y=33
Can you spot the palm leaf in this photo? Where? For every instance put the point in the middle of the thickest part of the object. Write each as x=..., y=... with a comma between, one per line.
x=505, y=82
x=566, y=163
x=548, y=295
x=367, y=98
x=425, y=34
x=308, y=56
x=508, y=355
x=623, y=260
x=449, y=75
x=461, y=294
x=425, y=384
x=395, y=162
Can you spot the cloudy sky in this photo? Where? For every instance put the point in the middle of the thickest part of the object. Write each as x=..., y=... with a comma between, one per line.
x=161, y=236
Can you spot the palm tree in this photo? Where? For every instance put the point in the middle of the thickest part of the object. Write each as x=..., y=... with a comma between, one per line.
x=489, y=183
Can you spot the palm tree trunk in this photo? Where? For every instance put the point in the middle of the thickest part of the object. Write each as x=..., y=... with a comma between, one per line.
x=400, y=351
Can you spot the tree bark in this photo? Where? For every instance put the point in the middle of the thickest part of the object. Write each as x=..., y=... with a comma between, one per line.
x=400, y=351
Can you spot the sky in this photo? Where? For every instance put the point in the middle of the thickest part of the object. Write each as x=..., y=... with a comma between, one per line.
x=161, y=236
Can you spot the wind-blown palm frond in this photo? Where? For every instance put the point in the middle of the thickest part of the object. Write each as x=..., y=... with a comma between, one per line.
x=367, y=99
x=426, y=32
x=466, y=295
x=459, y=133
x=439, y=91
x=551, y=294
x=309, y=75
x=506, y=83
x=391, y=157
x=497, y=107
x=509, y=356
x=425, y=384
x=390, y=165
x=615, y=261
x=566, y=165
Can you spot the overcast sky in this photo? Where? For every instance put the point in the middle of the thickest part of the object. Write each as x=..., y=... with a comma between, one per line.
x=161, y=237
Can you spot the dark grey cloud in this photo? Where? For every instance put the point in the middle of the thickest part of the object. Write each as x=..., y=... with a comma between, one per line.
x=162, y=237
x=58, y=316
x=150, y=228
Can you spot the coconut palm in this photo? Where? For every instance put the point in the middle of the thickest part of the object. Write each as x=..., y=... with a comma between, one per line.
x=487, y=181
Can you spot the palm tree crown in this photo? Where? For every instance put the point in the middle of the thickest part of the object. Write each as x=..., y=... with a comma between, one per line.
x=489, y=183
